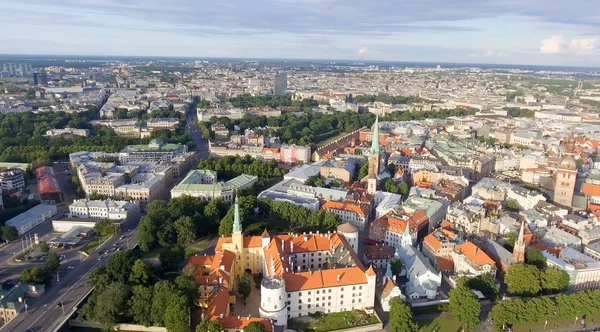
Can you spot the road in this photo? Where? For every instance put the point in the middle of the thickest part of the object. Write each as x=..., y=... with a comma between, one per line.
x=202, y=150
x=59, y=302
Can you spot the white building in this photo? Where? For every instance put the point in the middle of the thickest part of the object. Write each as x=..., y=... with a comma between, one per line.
x=470, y=261
x=68, y=132
x=527, y=199
x=104, y=209
x=202, y=183
x=32, y=217
x=583, y=270
x=11, y=179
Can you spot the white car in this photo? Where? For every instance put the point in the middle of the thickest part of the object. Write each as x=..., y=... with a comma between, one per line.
x=70, y=267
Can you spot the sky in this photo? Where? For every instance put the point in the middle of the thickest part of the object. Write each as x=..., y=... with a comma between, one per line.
x=541, y=32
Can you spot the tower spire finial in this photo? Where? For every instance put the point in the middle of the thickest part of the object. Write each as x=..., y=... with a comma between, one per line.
x=375, y=139
x=237, y=223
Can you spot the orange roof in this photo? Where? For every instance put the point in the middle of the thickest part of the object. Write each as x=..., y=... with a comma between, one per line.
x=239, y=323
x=446, y=224
x=223, y=261
x=218, y=302
x=217, y=277
x=346, y=207
x=200, y=260
x=370, y=272
x=249, y=242
x=300, y=281
x=432, y=242
x=387, y=289
x=379, y=252
x=475, y=254
x=419, y=218
x=271, y=149
x=590, y=189
x=445, y=263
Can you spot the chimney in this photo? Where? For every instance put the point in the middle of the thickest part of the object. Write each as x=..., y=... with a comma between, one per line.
x=239, y=317
x=221, y=316
x=476, y=250
x=291, y=246
x=305, y=238
x=339, y=277
x=310, y=271
x=220, y=280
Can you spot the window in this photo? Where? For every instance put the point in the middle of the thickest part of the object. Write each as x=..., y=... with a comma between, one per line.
x=352, y=302
x=317, y=292
x=308, y=307
x=276, y=304
x=341, y=302
x=353, y=288
x=309, y=292
x=289, y=295
x=329, y=297
x=299, y=307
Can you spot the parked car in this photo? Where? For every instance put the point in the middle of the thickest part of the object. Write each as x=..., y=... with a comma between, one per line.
x=70, y=267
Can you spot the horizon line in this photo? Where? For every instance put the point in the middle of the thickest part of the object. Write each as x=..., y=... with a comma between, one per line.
x=199, y=58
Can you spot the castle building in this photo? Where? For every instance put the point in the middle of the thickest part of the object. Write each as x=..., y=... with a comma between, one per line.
x=303, y=273
x=566, y=176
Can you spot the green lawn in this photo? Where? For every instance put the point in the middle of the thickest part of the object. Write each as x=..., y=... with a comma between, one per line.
x=197, y=247
x=154, y=253
x=94, y=243
x=562, y=324
x=443, y=323
x=333, y=321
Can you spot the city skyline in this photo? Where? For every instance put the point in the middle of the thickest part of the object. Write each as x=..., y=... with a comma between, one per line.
x=544, y=33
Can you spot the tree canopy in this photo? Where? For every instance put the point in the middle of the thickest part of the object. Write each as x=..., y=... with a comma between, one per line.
x=523, y=280
x=465, y=306
x=401, y=317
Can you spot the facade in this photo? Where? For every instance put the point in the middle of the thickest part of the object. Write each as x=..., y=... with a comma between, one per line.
x=14, y=300
x=303, y=274
x=347, y=212
x=68, y=132
x=104, y=209
x=378, y=256
x=280, y=84
x=583, y=270
x=470, y=261
x=203, y=183
x=390, y=229
x=438, y=248
x=32, y=217
x=162, y=123
x=157, y=151
x=566, y=176
x=339, y=169
x=11, y=179
x=48, y=186
x=292, y=154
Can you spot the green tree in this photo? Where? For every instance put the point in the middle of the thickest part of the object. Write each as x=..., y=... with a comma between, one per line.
x=363, y=171
x=105, y=227
x=52, y=262
x=9, y=233
x=44, y=247
x=140, y=305
x=511, y=238
x=534, y=256
x=209, y=325
x=254, y=327
x=110, y=304
x=189, y=288
x=119, y=266
x=401, y=318
x=554, y=281
x=186, y=231
x=396, y=266
x=190, y=270
x=34, y=275
x=146, y=234
x=465, y=306
x=177, y=314
x=330, y=222
x=244, y=286
x=99, y=278
x=523, y=280
x=511, y=204
x=141, y=273
x=404, y=189
x=171, y=259
x=486, y=284
x=163, y=290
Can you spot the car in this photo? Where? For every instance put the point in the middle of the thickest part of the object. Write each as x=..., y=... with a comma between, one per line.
x=118, y=249
x=62, y=257
x=58, y=305
x=121, y=237
x=70, y=267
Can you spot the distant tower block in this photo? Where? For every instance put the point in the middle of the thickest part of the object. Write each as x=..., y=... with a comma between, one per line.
x=273, y=300
x=350, y=232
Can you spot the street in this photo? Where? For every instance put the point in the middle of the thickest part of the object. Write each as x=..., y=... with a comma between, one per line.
x=59, y=302
x=192, y=128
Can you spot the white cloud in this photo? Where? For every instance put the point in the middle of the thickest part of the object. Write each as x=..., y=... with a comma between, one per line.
x=583, y=45
x=489, y=54
x=552, y=45
x=364, y=50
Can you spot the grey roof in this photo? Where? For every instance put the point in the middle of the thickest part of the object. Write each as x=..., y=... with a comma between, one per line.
x=496, y=251
x=32, y=213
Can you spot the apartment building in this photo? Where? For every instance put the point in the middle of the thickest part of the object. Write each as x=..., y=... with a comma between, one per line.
x=11, y=179
x=104, y=209
x=154, y=124
x=204, y=184
x=156, y=151
x=347, y=212
x=470, y=261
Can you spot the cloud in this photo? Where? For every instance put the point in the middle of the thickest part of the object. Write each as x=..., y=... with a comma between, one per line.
x=552, y=45
x=490, y=54
x=365, y=50
x=583, y=45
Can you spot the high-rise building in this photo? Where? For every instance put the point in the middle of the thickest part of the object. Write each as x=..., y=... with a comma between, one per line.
x=24, y=69
x=11, y=68
x=280, y=84
x=40, y=78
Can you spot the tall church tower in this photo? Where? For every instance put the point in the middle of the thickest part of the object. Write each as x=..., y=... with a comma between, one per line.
x=566, y=176
x=237, y=238
x=519, y=249
x=373, y=175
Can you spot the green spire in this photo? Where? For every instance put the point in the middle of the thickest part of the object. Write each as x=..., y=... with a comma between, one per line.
x=375, y=139
x=237, y=223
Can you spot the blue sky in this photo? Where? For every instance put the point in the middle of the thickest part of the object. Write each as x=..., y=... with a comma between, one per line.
x=546, y=32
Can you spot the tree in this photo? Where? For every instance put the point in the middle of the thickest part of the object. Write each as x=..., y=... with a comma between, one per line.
x=52, y=262
x=511, y=238
x=171, y=259
x=523, y=280
x=146, y=234
x=177, y=314
x=110, y=304
x=465, y=306
x=254, y=327
x=9, y=233
x=401, y=318
x=396, y=266
x=486, y=284
x=34, y=275
x=511, y=204
x=190, y=270
x=163, y=290
x=140, y=305
x=119, y=265
x=186, y=231
x=141, y=273
x=189, y=288
x=99, y=278
x=554, y=281
x=44, y=247
x=105, y=227
x=209, y=325
x=403, y=188
x=244, y=286
x=534, y=256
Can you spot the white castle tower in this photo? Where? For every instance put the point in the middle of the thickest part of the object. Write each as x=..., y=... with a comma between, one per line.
x=273, y=299
x=350, y=232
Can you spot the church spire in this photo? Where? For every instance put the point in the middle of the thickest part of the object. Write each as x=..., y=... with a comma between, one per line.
x=237, y=223
x=375, y=139
x=519, y=249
